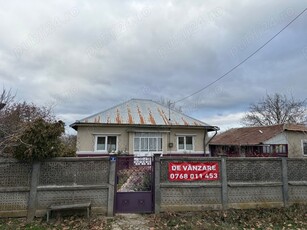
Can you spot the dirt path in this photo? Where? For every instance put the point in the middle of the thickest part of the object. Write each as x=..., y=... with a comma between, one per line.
x=130, y=222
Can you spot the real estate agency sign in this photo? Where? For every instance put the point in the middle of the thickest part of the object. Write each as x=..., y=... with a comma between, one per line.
x=193, y=171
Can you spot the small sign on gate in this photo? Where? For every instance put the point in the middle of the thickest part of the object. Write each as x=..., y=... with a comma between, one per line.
x=193, y=171
x=112, y=158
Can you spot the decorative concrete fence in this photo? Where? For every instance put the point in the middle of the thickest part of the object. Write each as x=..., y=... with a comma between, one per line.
x=242, y=183
x=26, y=190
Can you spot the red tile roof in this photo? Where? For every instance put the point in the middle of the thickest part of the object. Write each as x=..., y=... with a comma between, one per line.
x=254, y=135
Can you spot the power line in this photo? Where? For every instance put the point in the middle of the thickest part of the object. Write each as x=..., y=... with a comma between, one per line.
x=242, y=62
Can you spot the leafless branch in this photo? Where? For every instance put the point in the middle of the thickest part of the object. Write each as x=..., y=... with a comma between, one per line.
x=276, y=109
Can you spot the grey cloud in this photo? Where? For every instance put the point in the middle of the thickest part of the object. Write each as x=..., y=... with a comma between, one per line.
x=85, y=57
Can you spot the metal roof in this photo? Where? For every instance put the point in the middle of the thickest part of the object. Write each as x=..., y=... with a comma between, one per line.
x=142, y=112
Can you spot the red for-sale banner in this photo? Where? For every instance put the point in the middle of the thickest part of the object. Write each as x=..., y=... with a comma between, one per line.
x=191, y=171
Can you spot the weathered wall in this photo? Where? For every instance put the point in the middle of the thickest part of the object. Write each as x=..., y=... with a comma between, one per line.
x=243, y=183
x=295, y=147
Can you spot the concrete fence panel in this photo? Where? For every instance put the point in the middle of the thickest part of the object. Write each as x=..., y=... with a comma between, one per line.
x=243, y=183
x=73, y=180
x=15, y=178
x=26, y=190
x=297, y=179
x=254, y=182
x=189, y=196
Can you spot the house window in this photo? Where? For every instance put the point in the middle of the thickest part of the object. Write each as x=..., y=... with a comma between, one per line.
x=282, y=148
x=304, y=147
x=106, y=143
x=185, y=143
x=148, y=142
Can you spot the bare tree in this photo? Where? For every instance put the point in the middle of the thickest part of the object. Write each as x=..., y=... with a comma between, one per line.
x=276, y=109
x=69, y=142
x=6, y=97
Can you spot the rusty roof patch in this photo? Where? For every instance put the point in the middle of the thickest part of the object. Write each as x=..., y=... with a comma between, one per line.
x=162, y=114
x=142, y=112
x=97, y=119
x=142, y=121
x=108, y=121
x=130, y=119
x=151, y=118
x=184, y=121
x=118, y=118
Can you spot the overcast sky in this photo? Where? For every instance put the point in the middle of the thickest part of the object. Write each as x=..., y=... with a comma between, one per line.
x=86, y=56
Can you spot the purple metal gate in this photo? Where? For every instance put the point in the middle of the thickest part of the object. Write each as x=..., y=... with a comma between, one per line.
x=134, y=178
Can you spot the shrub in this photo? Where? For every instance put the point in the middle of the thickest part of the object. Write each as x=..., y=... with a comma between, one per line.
x=40, y=140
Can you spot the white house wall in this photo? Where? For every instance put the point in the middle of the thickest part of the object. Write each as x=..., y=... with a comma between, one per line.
x=294, y=141
x=86, y=138
x=278, y=139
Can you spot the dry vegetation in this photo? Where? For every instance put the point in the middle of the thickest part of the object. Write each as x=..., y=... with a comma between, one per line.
x=294, y=217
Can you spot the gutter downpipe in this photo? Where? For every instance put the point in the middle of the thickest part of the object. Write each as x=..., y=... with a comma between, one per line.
x=206, y=144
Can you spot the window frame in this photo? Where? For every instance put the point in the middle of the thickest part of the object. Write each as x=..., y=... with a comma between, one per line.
x=106, y=136
x=148, y=136
x=185, y=143
x=274, y=149
x=304, y=142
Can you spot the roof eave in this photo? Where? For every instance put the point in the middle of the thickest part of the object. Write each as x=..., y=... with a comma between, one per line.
x=236, y=144
x=76, y=124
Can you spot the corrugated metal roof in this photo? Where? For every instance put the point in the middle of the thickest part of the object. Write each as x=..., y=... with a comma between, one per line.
x=254, y=135
x=142, y=112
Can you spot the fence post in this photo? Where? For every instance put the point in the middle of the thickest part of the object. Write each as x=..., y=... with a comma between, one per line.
x=157, y=183
x=112, y=172
x=224, y=183
x=33, y=191
x=285, y=186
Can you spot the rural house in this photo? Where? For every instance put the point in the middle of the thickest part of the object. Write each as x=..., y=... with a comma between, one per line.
x=141, y=127
x=283, y=140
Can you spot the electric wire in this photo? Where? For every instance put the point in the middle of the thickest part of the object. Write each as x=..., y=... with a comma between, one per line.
x=243, y=61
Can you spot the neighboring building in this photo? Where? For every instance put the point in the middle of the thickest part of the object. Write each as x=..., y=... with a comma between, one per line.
x=276, y=140
x=141, y=127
